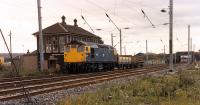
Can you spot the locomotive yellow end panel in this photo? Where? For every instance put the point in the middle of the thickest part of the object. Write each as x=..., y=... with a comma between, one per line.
x=1, y=60
x=74, y=56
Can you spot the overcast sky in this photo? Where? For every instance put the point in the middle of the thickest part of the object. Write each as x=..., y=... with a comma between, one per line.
x=20, y=16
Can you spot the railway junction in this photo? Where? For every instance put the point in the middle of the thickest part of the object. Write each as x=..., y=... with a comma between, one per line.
x=74, y=45
x=11, y=90
x=71, y=58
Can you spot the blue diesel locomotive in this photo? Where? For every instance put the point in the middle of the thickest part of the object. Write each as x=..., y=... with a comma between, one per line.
x=82, y=56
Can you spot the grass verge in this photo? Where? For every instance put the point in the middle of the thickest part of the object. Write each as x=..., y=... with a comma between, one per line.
x=182, y=88
x=8, y=72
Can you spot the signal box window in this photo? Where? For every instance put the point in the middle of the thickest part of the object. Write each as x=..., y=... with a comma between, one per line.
x=80, y=49
x=67, y=49
x=73, y=46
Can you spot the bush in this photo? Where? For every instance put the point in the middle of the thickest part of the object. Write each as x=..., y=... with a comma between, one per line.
x=6, y=72
x=186, y=80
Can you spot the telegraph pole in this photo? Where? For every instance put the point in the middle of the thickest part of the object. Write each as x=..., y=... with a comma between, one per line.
x=171, y=35
x=163, y=50
x=112, y=39
x=191, y=50
x=191, y=45
x=147, y=56
x=40, y=36
x=120, y=38
x=188, y=44
x=164, y=54
x=124, y=50
x=10, y=35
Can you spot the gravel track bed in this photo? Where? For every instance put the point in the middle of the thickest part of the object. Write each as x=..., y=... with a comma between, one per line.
x=54, y=97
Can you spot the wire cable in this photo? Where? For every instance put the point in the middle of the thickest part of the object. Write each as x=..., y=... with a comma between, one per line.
x=87, y=23
x=148, y=18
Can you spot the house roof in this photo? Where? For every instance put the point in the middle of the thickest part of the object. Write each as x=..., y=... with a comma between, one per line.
x=78, y=30
x=53, y=29
x=63, y=28
x=91, y=44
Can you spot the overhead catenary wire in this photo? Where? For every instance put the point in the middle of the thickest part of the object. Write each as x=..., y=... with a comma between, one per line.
x=139, y=4
x=87, y=23
x=106, y=11
x=120, y=17
x=112, y=21
x=145, y=16
x=115, y=7
x=118, y=42
x=18, y=4
x=96, y=5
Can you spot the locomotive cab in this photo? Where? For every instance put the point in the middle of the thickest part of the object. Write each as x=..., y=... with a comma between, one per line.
x=76, y=52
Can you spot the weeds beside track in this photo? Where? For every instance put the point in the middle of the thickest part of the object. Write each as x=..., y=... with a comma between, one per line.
x=11, y=90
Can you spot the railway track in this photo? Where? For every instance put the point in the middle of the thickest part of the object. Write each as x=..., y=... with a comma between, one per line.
x=10, y=89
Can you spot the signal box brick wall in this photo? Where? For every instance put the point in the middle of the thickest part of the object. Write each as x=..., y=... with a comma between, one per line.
x=28, y=62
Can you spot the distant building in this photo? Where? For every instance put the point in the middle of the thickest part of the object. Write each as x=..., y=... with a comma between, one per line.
x=183, y=56
x=55, y=37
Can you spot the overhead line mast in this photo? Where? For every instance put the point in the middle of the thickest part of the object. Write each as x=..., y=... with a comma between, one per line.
x=41, y=49
x=171, y=35
x=120, y=33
